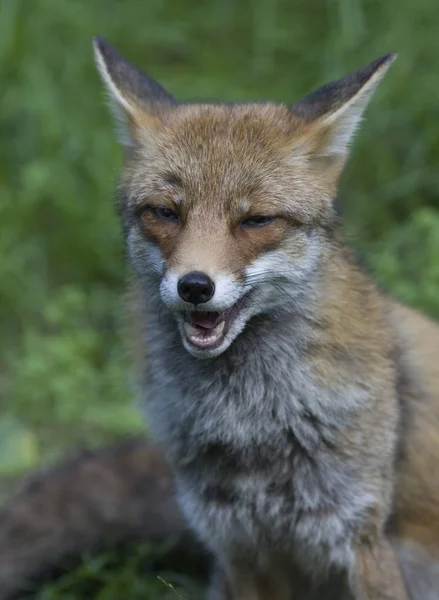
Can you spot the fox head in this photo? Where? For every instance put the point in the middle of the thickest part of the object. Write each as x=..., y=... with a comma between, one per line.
x=228, y=208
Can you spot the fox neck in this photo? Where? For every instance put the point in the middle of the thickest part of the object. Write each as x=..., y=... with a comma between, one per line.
x=309, y=371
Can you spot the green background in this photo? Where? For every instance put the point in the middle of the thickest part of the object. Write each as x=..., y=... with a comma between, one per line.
x=64, y=366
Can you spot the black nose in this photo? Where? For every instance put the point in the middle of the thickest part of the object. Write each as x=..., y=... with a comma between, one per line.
x=196, y=288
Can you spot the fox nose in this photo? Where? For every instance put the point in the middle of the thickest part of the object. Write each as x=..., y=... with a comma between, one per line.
x=196, y=288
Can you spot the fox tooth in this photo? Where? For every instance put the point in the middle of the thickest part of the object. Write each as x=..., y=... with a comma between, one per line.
x=219, y=328
x=190, y=330
x=200, y=338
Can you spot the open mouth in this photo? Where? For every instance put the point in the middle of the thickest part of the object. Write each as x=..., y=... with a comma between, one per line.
x=208, y=329
x=205, y=329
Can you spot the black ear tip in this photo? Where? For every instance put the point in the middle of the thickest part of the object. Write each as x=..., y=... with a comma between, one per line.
x=386, y=60
x=101, y=46
x=98, y=41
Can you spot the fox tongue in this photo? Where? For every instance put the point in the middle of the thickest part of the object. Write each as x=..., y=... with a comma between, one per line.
x=206, y=320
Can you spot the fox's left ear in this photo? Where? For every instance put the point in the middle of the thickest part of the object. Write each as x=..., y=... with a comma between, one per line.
x=139, y=103
x=330, y=115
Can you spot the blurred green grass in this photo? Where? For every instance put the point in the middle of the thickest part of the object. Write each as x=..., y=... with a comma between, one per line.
x=64, y=368
x=115, y=575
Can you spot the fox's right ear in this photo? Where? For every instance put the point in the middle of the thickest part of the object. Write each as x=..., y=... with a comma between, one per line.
x=139, y=103
x=331, y=115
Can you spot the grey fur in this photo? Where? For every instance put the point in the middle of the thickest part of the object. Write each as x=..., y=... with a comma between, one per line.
x=421, y=572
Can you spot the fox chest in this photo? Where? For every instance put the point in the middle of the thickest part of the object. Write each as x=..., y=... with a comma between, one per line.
x=256, y=466
x=246, y=506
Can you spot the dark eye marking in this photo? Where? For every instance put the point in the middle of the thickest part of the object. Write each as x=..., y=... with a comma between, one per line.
x=257, y=221
x=162, y=213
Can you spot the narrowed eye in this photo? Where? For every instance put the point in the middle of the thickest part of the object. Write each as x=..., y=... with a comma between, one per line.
x=163, y=213
x=258, y=221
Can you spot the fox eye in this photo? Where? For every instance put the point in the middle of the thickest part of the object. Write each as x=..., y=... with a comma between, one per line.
x=163, y=213
x=258, y=221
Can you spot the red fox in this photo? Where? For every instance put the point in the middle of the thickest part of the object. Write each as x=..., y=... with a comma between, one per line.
x=296, y=405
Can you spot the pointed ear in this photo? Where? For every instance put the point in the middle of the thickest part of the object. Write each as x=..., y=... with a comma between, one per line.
x=331, y=115
x=136, y=99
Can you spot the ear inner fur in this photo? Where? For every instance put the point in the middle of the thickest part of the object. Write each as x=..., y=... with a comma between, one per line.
x=136, y=99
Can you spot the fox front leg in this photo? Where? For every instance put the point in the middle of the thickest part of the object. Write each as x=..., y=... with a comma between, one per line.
x=237, y=583
x=218, y=588
x=377, y=575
